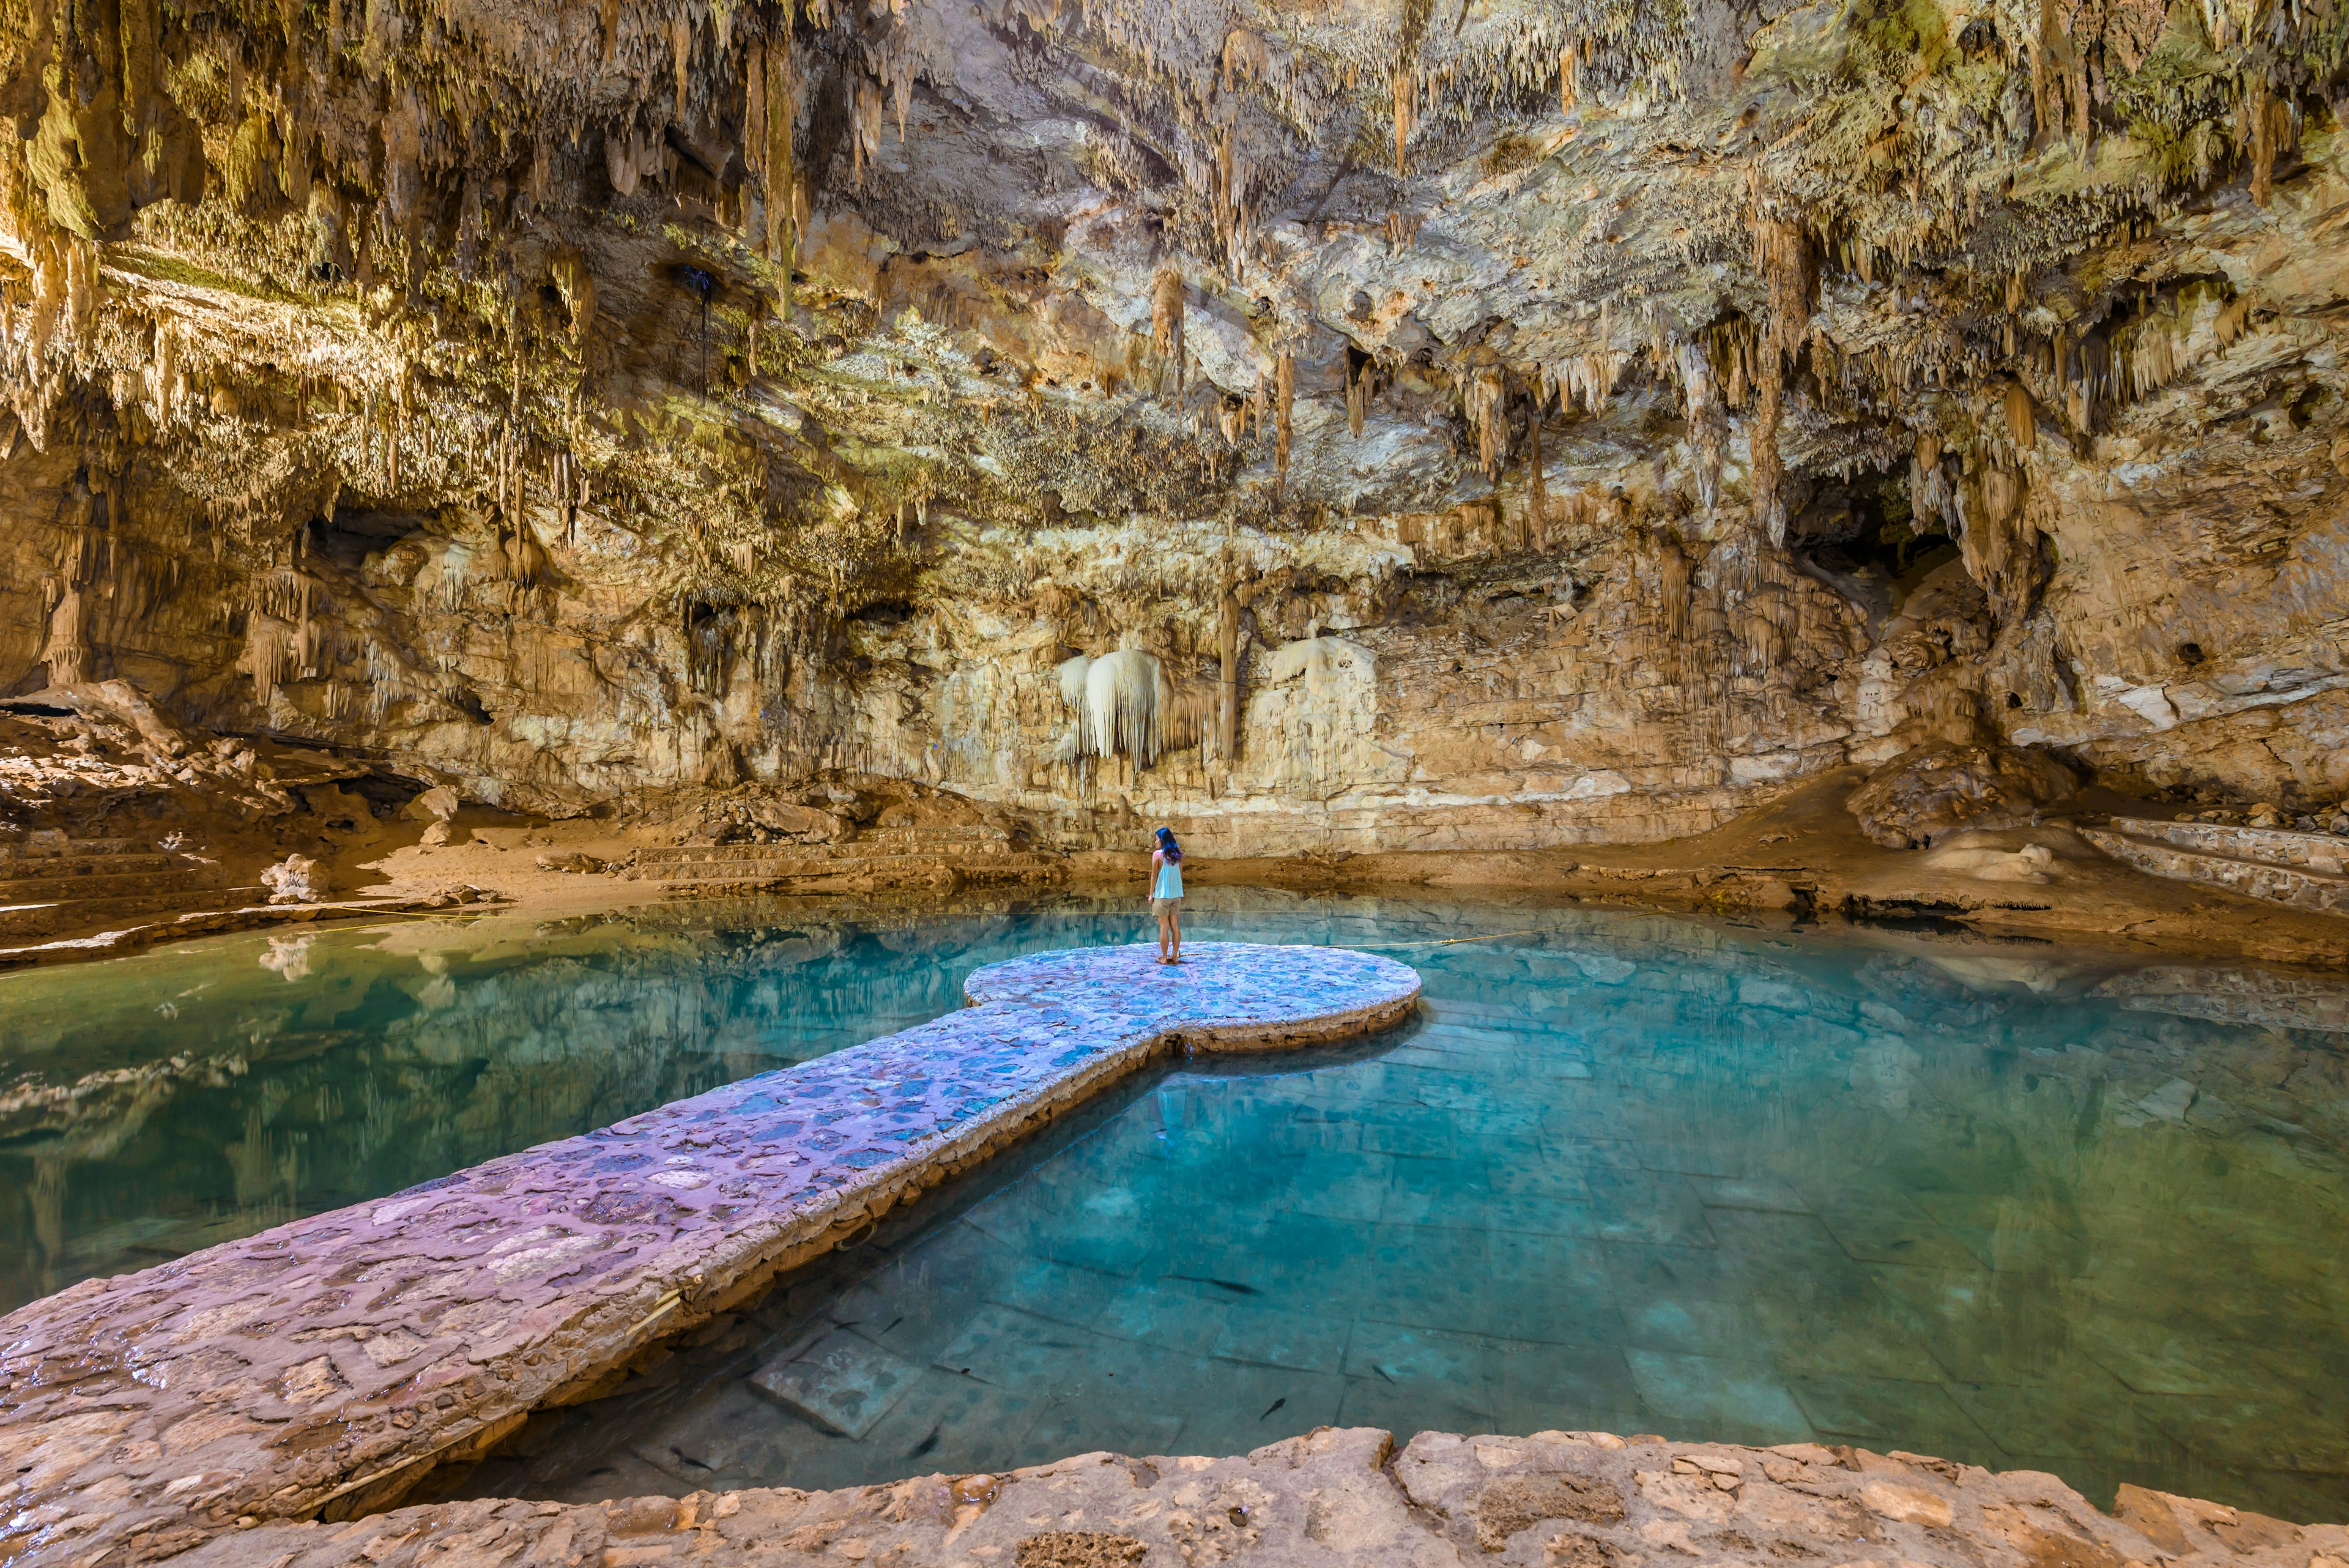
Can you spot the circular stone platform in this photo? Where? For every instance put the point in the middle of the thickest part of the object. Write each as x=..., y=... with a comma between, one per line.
x=1227, y=996
x=330, y=1363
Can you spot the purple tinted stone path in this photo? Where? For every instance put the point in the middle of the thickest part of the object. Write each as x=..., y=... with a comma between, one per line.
x=329, y=1364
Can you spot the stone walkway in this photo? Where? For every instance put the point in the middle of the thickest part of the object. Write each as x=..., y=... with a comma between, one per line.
x=328, y=1364
x=1555, y=1500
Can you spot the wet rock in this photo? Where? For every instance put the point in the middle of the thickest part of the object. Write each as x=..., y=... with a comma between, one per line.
x=797, y=821
x=438, y=803
x=1974, y=854
x=296, y=879
x=1079, y=1548
x=575, y=861
x=1515, y=1503
x=1933, y=790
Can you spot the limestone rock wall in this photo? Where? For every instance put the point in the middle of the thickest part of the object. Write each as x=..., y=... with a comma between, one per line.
x=1555, y=425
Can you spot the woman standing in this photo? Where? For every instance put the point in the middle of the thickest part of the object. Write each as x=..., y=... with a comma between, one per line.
x=1166, y=896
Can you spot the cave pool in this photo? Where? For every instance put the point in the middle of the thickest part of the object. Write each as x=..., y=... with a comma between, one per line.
x=2013, y=1204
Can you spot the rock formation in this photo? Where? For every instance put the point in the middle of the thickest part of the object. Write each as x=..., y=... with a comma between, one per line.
x=1526, y=422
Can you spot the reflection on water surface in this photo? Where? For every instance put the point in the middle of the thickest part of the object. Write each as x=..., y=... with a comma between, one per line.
x=2015, y=1205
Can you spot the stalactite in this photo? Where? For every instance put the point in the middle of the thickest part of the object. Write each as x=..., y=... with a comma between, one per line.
x=1166, y=327
x=1587, y=382
x=2055, y=95
x=1769, y=470
x=2269, y=133
x=1122, y=702
x=1691, y=367
x=1538, y=484
x=1484, y=400
x=865, y=108
x=1783, y=255
x=1359, y=389
x=2021, y=419
x=1998, y=545
x=1674, y=573
x=1403, y=119
x=1284, y=399
x=1227, y=647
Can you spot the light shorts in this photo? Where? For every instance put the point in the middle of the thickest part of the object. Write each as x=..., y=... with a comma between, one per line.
x=1162, y=908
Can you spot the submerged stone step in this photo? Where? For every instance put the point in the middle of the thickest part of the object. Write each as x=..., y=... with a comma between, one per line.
x=842, y=1384
x=2292, y=886
x=536, y=1277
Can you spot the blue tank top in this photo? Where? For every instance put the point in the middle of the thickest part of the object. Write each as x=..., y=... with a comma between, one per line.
x=1170, y=881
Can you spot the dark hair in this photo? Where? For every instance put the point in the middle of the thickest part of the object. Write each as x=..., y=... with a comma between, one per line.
x=1167, y=846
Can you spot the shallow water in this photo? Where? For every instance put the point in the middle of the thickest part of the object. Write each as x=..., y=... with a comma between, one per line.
x=2009, y=1204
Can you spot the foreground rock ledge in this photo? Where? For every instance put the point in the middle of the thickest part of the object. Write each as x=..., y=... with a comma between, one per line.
x=1556, y=1499
x=328, y=1364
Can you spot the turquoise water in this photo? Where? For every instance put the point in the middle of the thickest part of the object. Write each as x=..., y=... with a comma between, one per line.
x=2011, y=1204
x=155, y=1105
